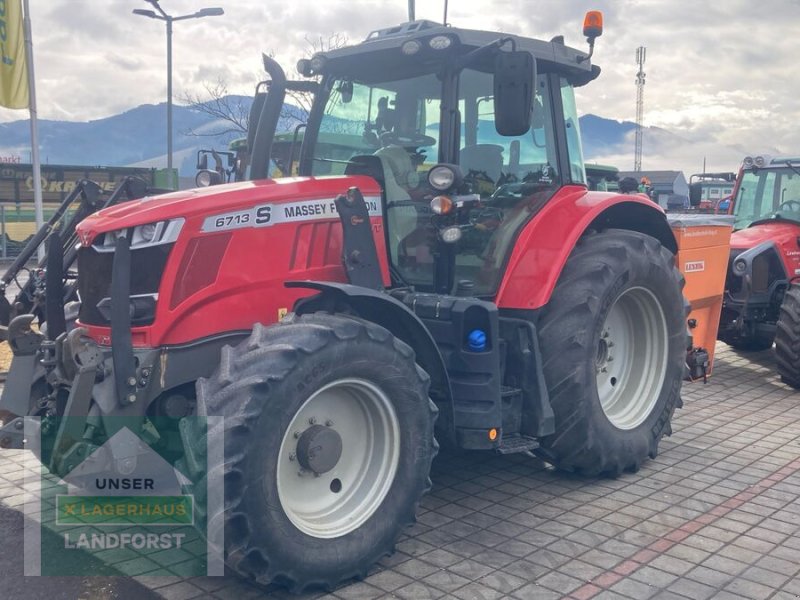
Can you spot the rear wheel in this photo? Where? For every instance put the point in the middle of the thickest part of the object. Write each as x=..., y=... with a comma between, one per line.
x=613, y=339
x=328, y=439
x=787, y=338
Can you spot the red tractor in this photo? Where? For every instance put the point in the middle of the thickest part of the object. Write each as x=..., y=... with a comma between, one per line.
x=455, y=281
x=761, y=306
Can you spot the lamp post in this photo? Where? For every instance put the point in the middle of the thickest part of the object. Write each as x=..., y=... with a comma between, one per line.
x=161, y=15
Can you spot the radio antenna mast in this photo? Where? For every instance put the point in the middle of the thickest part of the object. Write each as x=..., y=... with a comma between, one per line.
x=411, y=10
x=444, y=21
x=640, y=56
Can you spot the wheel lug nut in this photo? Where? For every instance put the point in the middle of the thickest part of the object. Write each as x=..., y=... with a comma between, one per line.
x=292, y=456
x=328, y=423
x=296, y=435
x=610, y=358
x=312, y=421
x=610, y=344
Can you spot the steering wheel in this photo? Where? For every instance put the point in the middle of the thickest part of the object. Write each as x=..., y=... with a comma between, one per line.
x=414, y=140
x=793, y=205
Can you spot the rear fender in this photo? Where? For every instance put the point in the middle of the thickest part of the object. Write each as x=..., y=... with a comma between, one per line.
x=544, y=245
x=393, y=315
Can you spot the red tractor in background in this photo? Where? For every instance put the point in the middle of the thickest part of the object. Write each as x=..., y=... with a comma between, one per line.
x=453, y=263
x=761, y=306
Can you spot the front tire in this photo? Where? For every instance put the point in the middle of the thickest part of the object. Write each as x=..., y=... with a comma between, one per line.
x=787, y=338
x=613, y=339
x=328, y=439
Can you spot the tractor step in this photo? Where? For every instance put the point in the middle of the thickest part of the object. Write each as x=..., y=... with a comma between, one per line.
x=515, y=443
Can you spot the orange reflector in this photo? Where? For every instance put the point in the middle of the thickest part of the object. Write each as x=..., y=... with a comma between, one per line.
x=493, y=434
x=593, y=24
x=441, y=205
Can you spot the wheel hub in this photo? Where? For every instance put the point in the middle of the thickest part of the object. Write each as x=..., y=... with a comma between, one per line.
x=631, y=358
x=326, y=487
x=319, y=449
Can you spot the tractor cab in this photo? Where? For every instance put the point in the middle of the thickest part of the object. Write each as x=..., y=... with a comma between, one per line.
x=467, y=132
x=767, y=191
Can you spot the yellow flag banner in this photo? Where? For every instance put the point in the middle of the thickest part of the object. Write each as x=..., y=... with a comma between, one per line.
x=13, y=73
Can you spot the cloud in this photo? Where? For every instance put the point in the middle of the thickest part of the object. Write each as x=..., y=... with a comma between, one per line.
x=719, y=75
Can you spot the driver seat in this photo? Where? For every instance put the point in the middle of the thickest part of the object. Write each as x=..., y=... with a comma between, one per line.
x=399, y=175
x=399, y=172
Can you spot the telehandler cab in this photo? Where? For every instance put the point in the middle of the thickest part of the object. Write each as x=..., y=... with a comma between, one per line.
x=762, y=299
x=451, y=265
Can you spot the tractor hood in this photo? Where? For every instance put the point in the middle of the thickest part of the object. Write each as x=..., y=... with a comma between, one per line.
x=218, y=199
x=783, y=233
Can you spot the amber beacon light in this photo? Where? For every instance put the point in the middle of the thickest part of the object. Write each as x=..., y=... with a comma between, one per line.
x=593, y=24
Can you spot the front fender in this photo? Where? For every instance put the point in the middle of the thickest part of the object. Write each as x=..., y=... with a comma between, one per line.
x=545, y=243
x=386, y=311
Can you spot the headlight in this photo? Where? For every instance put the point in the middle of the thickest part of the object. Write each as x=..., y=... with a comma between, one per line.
x=762, y=161
x=441, y=177
x=145, y=234
x=747, y=163
x=440, y=42
x=450, y=235
x=206, y=178
x=739, y=267
x=203, y=179
x=141, y=236
x=441, y=205
x=411, y=47
x=317, y=63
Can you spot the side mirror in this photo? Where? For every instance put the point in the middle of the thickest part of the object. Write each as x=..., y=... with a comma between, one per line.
x=346, y=91
x=255, y=113
x=695, y=194
x=202, y=162
x=514, y=74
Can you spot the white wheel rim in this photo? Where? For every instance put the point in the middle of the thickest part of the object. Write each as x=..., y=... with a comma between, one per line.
x=336, y=502
x=631, y=358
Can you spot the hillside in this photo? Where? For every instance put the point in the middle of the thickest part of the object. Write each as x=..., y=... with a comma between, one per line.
x=138, y=137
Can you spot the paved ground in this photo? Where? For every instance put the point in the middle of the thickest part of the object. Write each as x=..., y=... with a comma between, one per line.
x=716, y=515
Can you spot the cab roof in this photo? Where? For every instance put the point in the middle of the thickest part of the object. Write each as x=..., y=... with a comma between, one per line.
x=387, y=43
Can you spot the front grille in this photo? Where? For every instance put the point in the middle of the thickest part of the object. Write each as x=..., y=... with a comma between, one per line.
x=733, y=283
x=94, y=278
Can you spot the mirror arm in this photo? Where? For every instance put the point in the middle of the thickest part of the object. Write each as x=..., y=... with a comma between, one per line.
x=465, y=60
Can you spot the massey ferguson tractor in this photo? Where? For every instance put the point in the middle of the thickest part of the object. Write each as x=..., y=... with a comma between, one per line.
x=761, y=304
x=449, y=280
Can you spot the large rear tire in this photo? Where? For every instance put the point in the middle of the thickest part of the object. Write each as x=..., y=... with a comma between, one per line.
x=613, y=339
x=787, y=338
x=328, y=443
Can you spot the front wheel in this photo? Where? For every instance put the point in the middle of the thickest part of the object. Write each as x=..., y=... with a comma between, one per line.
x=328, y=439
x=613, y=339
x=787, y=338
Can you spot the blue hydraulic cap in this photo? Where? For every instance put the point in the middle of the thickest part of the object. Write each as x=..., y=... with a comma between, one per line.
x=476, y=340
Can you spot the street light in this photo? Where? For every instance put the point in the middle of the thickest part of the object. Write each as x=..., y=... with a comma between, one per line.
x=161, y=15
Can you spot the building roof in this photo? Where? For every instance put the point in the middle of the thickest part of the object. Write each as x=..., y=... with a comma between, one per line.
x=655, y=177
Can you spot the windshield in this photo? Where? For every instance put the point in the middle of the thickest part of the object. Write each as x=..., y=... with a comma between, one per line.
x=391, y=129
x=766, y=194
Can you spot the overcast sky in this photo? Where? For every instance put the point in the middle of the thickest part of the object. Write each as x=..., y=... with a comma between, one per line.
x=723, y=75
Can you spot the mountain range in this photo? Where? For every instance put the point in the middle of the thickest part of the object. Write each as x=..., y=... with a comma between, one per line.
x=137, y=137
